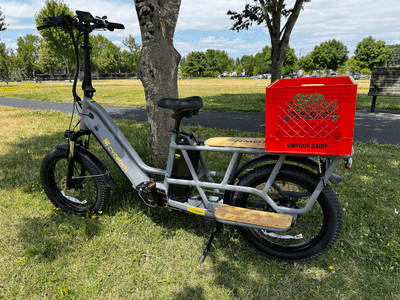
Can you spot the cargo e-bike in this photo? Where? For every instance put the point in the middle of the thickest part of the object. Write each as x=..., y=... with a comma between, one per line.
x=281, y=203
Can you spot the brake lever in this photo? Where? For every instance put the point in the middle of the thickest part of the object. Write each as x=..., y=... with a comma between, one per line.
x=107, y=26
x=44, y=27
x=100, y=20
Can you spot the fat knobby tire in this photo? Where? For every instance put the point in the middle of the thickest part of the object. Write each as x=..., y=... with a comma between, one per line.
x=89, y=196
x=324, y=221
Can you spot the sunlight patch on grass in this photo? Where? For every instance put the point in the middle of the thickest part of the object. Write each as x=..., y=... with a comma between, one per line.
x=131, y=251
x=365, y=178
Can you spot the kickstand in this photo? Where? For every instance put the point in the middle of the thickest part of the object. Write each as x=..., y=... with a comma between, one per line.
x=217, y=229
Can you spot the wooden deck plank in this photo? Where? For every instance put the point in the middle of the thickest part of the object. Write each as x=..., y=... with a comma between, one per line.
x=237, y=142
x=253, y=217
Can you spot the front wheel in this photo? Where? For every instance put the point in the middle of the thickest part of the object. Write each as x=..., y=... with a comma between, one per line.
x=311, y=234
x=89, y=194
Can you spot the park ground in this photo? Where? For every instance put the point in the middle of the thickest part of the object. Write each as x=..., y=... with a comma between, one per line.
x=227, y=94
x=131, y=251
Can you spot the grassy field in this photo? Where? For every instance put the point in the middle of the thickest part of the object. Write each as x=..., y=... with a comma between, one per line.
x=245, y=95
x=134, y=252
x=218, y=94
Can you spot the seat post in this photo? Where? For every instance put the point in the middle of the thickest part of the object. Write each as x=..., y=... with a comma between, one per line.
x=177, y=123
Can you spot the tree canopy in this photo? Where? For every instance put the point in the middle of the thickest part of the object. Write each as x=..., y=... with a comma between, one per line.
x=395, y=58
x=306, y=63
x=3, y=25
x=48, y=63
x=217, y=61
x=104, y=55
x=353, y=65
x=131, y=57
x=210, y=63
x=371, y=53
x=58, y=41
x=290, y=64
x=214, y=62
x=329, y=55
x=28, y=52
x=5, y=62
x=196, y=63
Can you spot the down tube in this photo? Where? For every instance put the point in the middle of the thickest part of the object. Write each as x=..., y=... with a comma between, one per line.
x=115, y=143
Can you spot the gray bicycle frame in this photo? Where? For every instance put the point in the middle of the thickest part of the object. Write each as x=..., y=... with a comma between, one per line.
x=95, y=118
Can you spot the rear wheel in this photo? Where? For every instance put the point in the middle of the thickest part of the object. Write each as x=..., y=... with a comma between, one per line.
x=89, y=194
x=311, y=234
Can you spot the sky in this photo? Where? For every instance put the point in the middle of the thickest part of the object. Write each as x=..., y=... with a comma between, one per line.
x=205, y=24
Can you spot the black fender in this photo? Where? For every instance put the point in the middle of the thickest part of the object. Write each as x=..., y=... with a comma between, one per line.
x=305, y=161
x=79, y=150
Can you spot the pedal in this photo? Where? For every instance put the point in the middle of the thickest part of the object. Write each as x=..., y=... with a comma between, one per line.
x=245, y=217
x=148, y=193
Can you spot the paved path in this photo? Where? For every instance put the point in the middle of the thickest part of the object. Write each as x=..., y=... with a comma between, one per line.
x=382, y=126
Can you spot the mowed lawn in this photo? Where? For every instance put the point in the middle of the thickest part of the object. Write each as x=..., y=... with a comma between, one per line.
x=131, y=251
x=218, y=94
x=227, y=94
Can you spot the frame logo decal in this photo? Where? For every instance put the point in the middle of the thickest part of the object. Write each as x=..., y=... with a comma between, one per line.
x=196, y=210
x=119, y=161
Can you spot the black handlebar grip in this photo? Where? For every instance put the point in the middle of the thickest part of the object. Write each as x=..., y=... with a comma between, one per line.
x=115, y=25
x=62, y=21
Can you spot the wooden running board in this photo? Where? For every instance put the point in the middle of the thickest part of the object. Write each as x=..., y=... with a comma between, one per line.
x=238, y=142
x=252, y=218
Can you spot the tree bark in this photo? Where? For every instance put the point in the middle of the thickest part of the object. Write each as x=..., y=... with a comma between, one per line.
x=158, y=68
x=278, y=59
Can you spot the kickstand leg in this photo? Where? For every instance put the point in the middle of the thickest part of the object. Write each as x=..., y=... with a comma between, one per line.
x=217, y=229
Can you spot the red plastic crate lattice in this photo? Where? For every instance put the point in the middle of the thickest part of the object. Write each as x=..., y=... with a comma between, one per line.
x=310, y=116
x=322, y=117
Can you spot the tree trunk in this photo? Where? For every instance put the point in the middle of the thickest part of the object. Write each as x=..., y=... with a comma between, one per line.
x=279, y=36
x=278, y=58
x=66, y=63
x=157, y=68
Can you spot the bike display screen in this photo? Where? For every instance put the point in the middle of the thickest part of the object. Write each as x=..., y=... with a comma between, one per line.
x=85, y=16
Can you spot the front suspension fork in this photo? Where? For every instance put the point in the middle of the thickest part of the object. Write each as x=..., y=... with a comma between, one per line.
x=71, y=162
x=72, y=137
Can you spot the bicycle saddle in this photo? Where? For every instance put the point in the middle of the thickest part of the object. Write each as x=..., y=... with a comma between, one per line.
x=184, y=107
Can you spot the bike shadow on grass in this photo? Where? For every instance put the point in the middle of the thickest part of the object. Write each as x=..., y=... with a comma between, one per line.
x=229, y=253
x=39, y=231
x=47, y=235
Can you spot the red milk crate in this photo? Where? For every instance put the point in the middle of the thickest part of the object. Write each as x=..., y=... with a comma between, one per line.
x=310, y=116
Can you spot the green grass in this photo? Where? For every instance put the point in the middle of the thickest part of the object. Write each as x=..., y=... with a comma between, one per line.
x=135, y=252
x=242, y=95
x=382, y=102
x=218, y=94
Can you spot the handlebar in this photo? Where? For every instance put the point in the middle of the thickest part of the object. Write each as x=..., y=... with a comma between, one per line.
x=60, y=21
x=83, y=21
